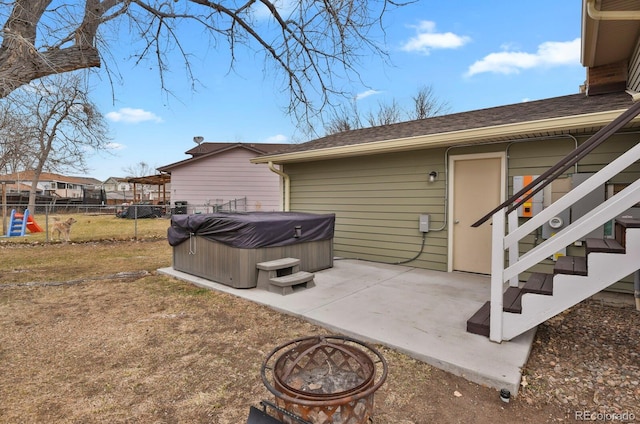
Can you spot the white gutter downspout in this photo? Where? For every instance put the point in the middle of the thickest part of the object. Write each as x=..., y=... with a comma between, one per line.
x=611, y=15
x=287, y=185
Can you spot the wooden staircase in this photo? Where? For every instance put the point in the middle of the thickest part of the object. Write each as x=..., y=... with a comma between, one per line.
x=537, y=300
x=518, y=309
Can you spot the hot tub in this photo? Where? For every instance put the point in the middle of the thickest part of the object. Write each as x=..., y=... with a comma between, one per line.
x=225, y=247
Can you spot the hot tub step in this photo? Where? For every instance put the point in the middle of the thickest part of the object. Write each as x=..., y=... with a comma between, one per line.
x=278, y=264
x=286, y=284
x=277, y=268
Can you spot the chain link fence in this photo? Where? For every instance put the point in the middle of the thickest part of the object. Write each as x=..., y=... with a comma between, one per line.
x=218, y=205
x=100, y=222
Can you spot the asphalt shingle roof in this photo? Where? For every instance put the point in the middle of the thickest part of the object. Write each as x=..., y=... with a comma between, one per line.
x=557, y=107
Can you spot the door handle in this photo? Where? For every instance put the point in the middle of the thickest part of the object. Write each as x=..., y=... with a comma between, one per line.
x=457, y=221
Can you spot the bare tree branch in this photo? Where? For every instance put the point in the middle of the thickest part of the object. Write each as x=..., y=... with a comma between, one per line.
x=425, y=105
x=315, y=45
x=59, y=125
x=387, y=114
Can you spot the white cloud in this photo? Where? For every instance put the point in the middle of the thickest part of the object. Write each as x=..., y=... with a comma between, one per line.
x=279, y=138
x=367, y=93
x=133, y=116
x=550, y=53
x=428, y=39
x=114, y=146
x=284, y=7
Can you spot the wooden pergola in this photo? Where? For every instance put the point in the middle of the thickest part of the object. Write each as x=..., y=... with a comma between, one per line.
x=161, y=180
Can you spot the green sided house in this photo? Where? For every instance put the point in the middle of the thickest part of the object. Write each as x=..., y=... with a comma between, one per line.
x=439, y=192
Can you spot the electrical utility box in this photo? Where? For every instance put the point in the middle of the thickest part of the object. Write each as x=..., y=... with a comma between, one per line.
x=531, y=206
x=424, y=223
x=587, y=203
x=556, y=224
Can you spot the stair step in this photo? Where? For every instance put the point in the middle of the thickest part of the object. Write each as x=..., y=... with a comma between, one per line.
x=479, y=322
x=571, y=265
x=603, y=246
x=628, y=222
x=621, y=226
x=539, y=283
x=278, y=264
x=287, y=283
x=512, y=300
x=292, y=279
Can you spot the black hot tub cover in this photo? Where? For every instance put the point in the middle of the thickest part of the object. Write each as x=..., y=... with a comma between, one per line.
x=252, y=230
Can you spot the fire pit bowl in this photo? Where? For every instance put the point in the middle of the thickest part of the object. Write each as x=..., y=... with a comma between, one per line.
x=324, y=379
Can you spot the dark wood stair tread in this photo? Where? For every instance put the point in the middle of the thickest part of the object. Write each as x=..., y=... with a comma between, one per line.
x=512, y=300
x=603, y=246
x=542, y=284
x=539, y=283
x=571, y=265
x=628, y=222
x=479, y=322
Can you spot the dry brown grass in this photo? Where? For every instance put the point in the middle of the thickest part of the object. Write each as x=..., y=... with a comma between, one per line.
x=156, y=350
x=67, y=261
x=151, y=349
x=92, y=227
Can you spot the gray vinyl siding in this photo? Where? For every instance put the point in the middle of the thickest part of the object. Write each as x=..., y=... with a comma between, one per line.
x=377, y=199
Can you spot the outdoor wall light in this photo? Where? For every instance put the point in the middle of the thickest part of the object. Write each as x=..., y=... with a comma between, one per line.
x=433, y=176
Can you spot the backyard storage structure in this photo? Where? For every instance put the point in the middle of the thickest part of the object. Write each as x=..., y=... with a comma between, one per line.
x=227, y=247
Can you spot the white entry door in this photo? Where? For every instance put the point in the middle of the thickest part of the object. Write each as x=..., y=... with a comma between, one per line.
x=477, y=187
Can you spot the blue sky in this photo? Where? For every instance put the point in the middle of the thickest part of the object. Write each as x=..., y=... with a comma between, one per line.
x=472, y=54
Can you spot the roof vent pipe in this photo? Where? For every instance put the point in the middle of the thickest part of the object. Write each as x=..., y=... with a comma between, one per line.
x=611, y=15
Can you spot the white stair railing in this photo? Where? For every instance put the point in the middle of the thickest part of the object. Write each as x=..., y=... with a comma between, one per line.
x=608, y=210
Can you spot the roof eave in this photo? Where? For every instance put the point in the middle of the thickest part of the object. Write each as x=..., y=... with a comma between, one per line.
x=504, y=132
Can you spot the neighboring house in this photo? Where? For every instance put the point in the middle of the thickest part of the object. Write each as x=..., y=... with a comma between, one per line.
x=118, y=191
x=412, y=190
x=116, y=184
x=159, y=194
x=13, y=187
x=220, y=176
x=55, y=185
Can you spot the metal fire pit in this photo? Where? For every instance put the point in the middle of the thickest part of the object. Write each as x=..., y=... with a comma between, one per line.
x=324, y=379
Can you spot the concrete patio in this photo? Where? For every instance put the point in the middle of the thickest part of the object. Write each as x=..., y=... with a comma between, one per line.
x=419, y=312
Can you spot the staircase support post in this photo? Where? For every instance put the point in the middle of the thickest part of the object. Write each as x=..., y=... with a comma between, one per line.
x=497, y=273
x=636, y=288
x=514, y=253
